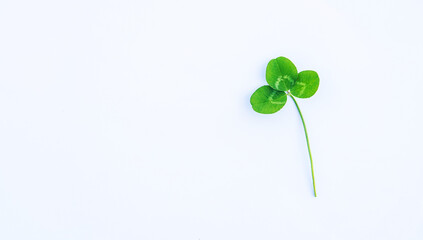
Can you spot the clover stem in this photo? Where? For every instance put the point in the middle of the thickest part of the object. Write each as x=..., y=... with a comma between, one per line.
x=308, y=144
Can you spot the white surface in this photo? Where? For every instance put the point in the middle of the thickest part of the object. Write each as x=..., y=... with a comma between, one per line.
x=131, y=120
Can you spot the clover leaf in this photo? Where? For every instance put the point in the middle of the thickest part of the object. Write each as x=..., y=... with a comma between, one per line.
x=267, y=100
x=281, y=74
x=284, y=80
x=306, y=84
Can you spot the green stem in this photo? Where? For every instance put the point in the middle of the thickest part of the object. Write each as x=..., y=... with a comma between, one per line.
x=308, y=144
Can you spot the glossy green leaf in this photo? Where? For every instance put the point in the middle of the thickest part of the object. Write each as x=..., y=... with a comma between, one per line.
x=306, y=84
x=281, y=74
x=267, y=100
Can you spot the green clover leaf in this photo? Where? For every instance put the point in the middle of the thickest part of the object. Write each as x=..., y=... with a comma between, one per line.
x=306, y=84
x=267, y=100
x=281, y=74
x=283, y=80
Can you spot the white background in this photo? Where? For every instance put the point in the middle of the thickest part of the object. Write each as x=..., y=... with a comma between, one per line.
x=131, y=120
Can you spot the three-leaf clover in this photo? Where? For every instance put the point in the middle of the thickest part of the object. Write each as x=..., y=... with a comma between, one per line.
x=284, y=79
